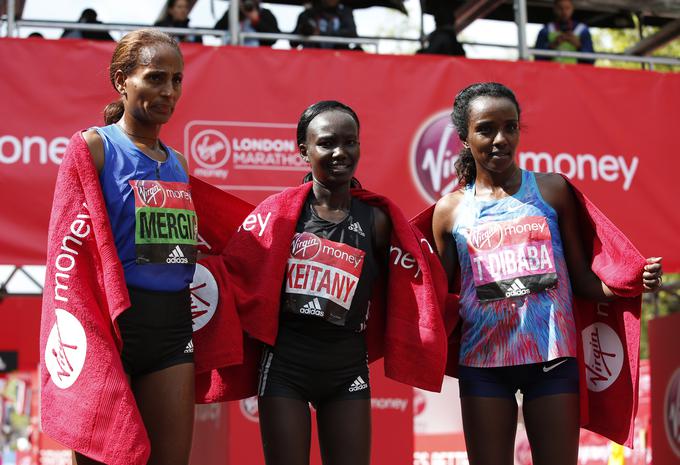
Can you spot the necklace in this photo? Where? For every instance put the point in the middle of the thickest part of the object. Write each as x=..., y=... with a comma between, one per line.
x=157, y=145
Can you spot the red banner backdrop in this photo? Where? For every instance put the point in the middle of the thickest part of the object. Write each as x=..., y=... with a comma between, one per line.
x=665, y=363
x=611, y=131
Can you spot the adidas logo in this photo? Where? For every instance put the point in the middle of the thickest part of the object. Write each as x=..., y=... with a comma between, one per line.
x=358, y=385
x=190, y=347
x=312, y=307
x=356, y=227
x=177, y=256
x=516, y=289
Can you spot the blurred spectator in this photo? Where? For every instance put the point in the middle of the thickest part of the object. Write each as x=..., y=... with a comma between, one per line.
x=88, y=16
x=443, y=40
x=252, y=19
x=326, y=18
x=564, y=34
x=177, y=15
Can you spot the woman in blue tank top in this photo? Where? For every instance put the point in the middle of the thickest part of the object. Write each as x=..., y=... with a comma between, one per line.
x=510, y=238
x=148, y=201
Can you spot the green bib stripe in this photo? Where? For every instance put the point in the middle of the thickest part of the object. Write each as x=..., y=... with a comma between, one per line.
x=165, y=226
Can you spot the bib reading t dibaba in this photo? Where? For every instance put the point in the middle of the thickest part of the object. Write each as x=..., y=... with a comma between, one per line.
x=511, y=258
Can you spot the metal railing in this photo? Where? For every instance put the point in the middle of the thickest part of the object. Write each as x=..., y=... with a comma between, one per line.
x=236, y=36
x=225, y=36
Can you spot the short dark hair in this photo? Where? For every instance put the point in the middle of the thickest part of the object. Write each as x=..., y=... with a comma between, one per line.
x=312, y=112
x=315, y=110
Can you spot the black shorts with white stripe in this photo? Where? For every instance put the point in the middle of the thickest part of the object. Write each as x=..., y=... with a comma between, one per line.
x=282, y=377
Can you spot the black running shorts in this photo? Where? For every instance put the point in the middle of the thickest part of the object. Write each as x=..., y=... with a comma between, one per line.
x=558, y=376
x=156, y=331
x=315, y=364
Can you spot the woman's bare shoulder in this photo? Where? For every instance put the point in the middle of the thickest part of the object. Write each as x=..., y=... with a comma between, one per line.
x=554, y=189
x=449, y=202
x=96, y=146
x=445, y=210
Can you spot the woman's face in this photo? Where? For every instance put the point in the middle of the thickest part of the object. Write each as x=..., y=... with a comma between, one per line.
x=332, y=147
x=153, y=88
x=180, y=10
x=493, y=133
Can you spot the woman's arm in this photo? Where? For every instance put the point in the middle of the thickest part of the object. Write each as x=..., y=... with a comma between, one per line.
x=585, y=283
x=442, y=227
x=382, y=227
x=96, y=146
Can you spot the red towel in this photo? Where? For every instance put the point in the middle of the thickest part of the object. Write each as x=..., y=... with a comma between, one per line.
x=610, y=333
x=405, y=326
x=86, y=403
x=219, y=342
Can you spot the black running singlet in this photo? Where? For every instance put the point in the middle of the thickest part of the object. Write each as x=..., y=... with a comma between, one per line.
x=331, y=268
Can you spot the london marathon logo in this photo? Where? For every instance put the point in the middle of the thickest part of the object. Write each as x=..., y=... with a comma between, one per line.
x=244, y=155
x=434, y=151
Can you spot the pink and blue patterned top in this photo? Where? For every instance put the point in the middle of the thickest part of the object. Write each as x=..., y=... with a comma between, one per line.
x=516, y=299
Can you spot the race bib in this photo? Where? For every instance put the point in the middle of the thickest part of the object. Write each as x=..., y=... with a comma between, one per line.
x=325, y=270
x=511, y=258
x=165, y=222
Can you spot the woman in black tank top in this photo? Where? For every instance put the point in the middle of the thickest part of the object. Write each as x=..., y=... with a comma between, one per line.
x=321, y=342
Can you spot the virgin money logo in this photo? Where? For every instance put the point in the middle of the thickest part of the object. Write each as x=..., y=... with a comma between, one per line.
x=204, y=297
x=434, y=151
x=603, y=356
x=151, y=193
x=249, y=409
x=486, y=237
x=671, y=411
x=210, y=149
x=65, y=350
x=305, y=246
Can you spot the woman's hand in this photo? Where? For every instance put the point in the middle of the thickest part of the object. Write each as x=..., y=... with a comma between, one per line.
x=652, y=274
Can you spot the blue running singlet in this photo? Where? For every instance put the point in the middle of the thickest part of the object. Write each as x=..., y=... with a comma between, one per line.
x=151, y=212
